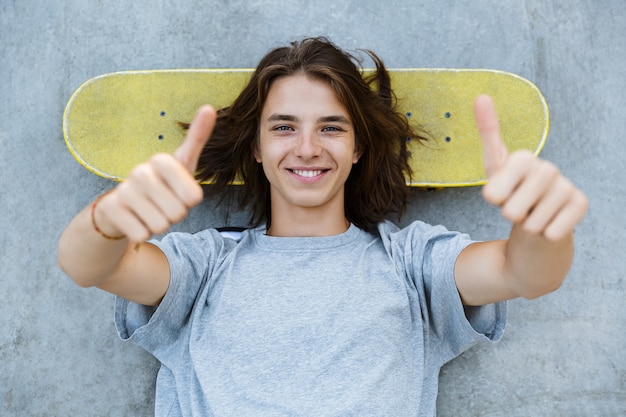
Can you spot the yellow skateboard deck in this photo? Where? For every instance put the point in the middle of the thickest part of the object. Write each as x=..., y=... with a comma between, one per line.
x=116, y=121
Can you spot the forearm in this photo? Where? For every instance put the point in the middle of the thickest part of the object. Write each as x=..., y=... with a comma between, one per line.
x=85, y=255
x=155, y=195
x=544, y=208
x=535, y=266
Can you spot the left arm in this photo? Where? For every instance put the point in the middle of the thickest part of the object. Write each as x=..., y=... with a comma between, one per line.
x=544, y=208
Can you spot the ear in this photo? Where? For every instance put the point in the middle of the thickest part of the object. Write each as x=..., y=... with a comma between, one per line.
x=357, y=155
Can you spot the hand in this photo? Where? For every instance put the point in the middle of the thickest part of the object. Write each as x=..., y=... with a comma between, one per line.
x=531, y=192
x=160, y=192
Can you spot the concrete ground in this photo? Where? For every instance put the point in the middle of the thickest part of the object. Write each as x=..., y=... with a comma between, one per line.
x=562, y=355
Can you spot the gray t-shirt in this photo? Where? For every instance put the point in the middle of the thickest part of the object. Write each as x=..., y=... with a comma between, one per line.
x=357, y=324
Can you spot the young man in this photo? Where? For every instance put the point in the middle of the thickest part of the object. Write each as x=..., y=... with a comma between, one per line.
x=323, y=308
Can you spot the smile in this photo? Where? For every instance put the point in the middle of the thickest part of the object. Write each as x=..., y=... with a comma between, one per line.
x=307, y=173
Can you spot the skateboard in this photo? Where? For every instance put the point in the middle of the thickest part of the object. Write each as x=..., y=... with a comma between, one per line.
x=115, y=121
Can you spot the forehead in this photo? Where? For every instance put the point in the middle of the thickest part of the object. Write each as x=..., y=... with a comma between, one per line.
x=301, y=94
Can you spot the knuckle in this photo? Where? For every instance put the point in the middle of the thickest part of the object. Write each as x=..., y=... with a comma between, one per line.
x=513, y=214
x=140, y=174
x=161, y=162
x=487, y=193
x=158, y=158
x=532, y=228
x=193, y=195
x=157, y=224
x=526, y=154
x=178, y=216
x=522, y=157
x=122, y=190
x=581, y=199
x=117, y=201
x=562, y=191
x=161, y=227
x=554, y=234
x=176, y=212
x=492, y=194
x=548, y=169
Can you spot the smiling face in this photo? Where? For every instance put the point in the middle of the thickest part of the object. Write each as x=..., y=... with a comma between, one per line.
x=307, y=147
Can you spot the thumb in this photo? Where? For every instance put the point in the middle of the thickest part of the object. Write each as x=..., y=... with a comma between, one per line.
x=198, y=135
x=495, y=152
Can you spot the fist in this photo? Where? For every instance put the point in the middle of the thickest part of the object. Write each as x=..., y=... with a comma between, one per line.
x=159, y=192
x=531, y=192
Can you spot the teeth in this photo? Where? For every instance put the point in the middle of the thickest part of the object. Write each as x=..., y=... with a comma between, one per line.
x=307, y=174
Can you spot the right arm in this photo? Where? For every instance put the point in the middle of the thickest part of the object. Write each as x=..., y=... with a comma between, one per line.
x=155, y=195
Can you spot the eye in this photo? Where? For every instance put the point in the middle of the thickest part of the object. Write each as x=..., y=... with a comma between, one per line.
x=282, y=128
x=332, y=129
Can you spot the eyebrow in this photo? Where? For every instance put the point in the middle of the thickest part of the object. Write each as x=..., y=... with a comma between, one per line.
x=282, y=117
x=335, y=119
x=325, y=119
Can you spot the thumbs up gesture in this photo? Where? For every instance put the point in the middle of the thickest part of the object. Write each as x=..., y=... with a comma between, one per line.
x=159, y=192
x=532, y=193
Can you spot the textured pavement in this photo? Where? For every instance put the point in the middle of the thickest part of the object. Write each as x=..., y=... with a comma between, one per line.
x=562, y=355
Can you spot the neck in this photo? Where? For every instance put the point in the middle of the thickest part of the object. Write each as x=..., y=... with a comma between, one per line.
x=307, y=222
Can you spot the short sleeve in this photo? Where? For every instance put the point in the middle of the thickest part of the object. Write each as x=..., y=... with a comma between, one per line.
x=428, y=255
x=190, y=258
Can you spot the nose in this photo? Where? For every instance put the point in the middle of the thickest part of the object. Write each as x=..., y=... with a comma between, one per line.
x=308, y=145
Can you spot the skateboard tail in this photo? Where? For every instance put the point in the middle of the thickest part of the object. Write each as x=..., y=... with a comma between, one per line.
x=66, y=131
x=444, y=104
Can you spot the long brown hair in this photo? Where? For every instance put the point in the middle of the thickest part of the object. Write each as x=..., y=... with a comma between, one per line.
x=376, y=185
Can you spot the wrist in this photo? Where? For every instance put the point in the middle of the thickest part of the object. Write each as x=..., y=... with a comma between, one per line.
x=96, y=221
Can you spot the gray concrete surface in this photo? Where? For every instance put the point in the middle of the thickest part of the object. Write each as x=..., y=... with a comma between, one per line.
x=562, y=355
